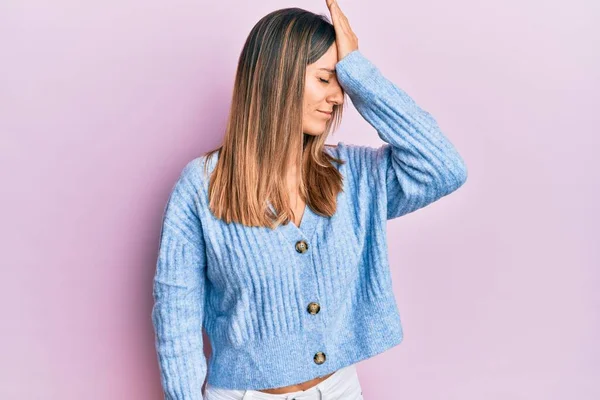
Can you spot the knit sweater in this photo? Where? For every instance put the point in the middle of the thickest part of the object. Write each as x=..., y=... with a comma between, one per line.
x=287, y=305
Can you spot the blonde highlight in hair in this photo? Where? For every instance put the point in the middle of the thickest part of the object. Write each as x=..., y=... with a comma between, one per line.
x=264, y=128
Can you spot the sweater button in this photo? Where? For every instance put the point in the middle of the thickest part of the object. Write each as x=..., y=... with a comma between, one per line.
x=313, y=307
x=301, y=246
x=319, y=357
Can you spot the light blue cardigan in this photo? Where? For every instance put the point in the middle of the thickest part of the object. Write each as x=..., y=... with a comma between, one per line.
x=278, y=313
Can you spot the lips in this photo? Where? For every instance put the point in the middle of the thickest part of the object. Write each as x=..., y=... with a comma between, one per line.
x=326, y=112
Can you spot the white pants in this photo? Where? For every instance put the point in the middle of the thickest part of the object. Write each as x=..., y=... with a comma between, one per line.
x=342, y=385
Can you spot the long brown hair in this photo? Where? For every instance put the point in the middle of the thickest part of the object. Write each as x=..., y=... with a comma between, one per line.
x=264, y=127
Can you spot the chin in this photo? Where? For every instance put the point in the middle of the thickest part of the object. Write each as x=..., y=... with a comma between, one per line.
x=311, y=133
x=315, y=130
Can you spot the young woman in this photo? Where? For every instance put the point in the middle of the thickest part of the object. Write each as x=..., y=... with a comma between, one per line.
x=275, y=242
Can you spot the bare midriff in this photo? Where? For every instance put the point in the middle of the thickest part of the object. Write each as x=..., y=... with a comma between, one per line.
x=299, y=386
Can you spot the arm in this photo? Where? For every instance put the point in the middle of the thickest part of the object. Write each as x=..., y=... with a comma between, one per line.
x=417, y=165
x=178, y=292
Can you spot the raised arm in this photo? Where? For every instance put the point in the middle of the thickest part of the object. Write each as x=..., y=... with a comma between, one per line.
x=178, y=292
x=417, y=165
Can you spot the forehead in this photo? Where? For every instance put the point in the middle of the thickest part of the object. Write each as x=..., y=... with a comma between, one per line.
x=326, y=63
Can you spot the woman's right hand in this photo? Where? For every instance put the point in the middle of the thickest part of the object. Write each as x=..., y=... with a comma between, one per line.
x=345, y=39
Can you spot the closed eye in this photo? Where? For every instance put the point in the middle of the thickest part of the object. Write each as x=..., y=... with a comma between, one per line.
x=323, y=80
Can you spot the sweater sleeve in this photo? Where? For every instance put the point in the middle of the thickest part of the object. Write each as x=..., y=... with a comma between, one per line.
x=179, y=294
x=417, y=165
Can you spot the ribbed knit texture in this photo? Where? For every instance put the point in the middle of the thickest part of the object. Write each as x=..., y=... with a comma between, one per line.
x=249, y=287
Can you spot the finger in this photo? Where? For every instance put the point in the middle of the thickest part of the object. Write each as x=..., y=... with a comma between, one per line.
x=336, y=7
x=342, y=17
x=335, y=17
x=339, y=14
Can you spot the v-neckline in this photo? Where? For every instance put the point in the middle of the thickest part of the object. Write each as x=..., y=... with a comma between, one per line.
x=308, y=223
x=301, y=218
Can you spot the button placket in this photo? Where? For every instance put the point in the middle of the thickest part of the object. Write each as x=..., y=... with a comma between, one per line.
x=313, y=307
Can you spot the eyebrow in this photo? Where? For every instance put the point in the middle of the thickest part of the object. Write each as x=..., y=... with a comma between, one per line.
x=331, y=71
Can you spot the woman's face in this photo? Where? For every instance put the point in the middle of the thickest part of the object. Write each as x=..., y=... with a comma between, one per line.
x=321, y=92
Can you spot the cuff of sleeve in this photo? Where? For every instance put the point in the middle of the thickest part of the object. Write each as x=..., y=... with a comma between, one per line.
x=354, y=71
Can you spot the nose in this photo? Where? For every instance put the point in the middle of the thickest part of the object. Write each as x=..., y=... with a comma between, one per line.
x=337, y=95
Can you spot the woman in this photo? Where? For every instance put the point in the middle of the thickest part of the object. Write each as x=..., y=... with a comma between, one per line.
x=275, y=243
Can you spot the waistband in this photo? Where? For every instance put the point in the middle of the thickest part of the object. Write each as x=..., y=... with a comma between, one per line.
x=332, y=383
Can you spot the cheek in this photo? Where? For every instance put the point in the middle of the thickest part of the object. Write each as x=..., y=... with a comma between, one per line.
x=313, y=96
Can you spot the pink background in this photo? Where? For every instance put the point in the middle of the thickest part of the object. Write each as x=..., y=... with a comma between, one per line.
x=103, y=103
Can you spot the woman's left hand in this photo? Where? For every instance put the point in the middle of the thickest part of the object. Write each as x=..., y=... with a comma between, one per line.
x=345, y=39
